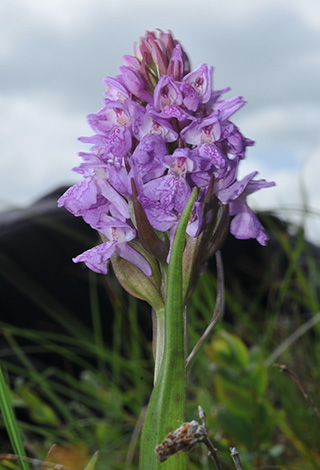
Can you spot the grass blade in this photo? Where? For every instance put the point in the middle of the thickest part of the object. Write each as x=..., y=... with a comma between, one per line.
x=10, y=422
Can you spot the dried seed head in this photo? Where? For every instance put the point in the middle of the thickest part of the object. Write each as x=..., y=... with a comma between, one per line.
x=183, y=439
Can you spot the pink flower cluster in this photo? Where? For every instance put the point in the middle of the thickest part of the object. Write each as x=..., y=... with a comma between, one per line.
x=161, y=132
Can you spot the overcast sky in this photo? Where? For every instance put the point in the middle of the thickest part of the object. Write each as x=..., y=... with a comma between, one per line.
x=54, y=54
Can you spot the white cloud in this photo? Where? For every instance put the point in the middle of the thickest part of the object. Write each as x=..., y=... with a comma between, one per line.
x=291, y=129
x=71, y=15
x=39, y=146
x=64, y=16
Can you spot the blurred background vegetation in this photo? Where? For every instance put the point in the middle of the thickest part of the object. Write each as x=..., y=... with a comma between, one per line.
x=92, y=396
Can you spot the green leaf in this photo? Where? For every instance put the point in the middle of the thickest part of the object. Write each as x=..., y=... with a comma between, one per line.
x=39, y=411
x=227, y=349
x=92, y=462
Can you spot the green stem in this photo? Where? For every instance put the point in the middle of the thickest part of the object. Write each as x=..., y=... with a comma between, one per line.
x=166, y=409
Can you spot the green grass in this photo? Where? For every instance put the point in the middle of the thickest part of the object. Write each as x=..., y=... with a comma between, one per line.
x=10, y=422
x=248, y=403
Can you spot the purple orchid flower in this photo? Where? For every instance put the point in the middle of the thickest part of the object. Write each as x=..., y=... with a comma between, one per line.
x=245, y=224
x=200, y=80
x=162, y=131
x=135, y=84
x=153, y=123
x=115, y=90
x=147, y=161
x=166, y=93
x=119, y=234
x=172, y=189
